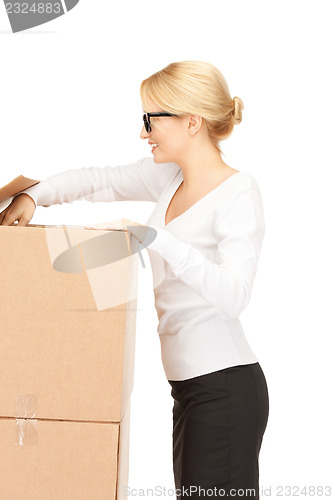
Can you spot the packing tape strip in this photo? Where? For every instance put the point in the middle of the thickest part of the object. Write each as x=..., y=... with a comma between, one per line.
x=26, y=424
x=26, y=405
x=26, y=432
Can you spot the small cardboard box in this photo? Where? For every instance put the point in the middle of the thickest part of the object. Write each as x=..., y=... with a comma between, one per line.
x=67, y=337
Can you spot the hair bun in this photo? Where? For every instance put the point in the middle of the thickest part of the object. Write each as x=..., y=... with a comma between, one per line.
x=238, y=108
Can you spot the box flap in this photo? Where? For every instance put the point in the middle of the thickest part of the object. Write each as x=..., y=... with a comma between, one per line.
x=18, y=184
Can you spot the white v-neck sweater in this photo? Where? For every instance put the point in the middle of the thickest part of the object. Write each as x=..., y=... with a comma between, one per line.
x=210, y=254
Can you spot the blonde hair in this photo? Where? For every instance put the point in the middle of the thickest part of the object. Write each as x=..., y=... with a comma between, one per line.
x=195, y=87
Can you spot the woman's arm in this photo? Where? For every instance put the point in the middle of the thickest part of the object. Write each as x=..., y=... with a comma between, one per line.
x=239, y=231
x=143, y=180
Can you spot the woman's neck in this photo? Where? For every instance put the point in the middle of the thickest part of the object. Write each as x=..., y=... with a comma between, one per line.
x=202, y=168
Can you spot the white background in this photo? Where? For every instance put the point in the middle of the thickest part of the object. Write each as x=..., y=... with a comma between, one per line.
x=70, y=99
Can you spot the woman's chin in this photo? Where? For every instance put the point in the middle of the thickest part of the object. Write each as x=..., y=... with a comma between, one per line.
x=158, y=158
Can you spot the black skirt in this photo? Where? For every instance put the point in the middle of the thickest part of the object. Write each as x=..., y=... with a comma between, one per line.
x=219, y=420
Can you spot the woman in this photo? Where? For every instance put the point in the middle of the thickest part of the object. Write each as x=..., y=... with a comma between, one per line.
x=209, y=227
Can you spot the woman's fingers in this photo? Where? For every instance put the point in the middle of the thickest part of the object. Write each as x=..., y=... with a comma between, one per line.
x=21, y=209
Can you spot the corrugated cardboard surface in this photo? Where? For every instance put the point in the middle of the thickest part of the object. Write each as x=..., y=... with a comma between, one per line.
x=59, y=460
x=73, y=361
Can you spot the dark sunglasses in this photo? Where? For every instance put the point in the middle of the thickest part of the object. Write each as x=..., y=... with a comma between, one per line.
x=146, y=119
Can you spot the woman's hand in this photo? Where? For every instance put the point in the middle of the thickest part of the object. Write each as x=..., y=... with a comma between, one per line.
x=21, y=209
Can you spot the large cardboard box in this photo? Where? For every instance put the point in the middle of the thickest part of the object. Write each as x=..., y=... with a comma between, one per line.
x=67, y=340
x=76, y=361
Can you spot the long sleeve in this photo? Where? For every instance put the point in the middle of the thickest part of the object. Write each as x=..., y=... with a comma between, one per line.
x=140, y=181
x=226, y=284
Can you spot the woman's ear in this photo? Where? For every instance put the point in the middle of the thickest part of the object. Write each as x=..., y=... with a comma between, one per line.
x=194, y=123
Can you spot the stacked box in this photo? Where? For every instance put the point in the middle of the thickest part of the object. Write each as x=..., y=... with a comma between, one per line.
x=67, y=339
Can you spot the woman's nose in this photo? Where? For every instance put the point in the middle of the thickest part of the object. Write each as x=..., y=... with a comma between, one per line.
x=144, y=134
